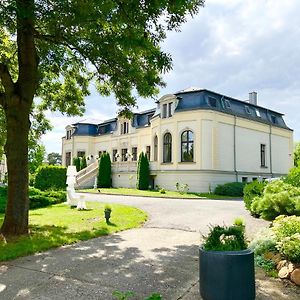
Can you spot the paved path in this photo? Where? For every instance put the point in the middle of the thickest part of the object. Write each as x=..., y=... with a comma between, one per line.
x=161, y=257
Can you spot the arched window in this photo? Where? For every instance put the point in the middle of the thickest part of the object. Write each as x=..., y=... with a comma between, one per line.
x=155, y=142
x=167, y=150
x=187, y=146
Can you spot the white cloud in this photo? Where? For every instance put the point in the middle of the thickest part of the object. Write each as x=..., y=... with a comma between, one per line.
x=232, y=47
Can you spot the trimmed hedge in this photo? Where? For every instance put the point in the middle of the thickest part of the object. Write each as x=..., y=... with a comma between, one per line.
x=51, y=177
x=143, y=172
x=104, y=173
x=37, y=198
x=234, y=189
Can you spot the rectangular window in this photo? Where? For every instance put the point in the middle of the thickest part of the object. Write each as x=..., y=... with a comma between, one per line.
x=244, y=179
x=80, y=153
x=148, y=149
x=257, y=113
x=114, y=155
x=69, y=133
x=124, y=154
x=262, y=155
x=134, y=153
x=164, y=111
x=170, y=109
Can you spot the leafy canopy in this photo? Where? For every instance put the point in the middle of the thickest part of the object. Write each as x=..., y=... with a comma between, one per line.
x=116, y=43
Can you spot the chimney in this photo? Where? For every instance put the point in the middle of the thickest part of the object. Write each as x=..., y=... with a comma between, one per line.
x=253, y=98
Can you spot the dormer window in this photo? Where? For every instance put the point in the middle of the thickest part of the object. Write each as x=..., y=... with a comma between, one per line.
x=257, y=113
x=212, y=102
x=273, y=119
x=227, y=104
x=247, y=109
x=167, y=110
x=69, y=134
x=124, y=127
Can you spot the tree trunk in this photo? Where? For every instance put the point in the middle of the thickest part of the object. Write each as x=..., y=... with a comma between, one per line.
x=16, y=148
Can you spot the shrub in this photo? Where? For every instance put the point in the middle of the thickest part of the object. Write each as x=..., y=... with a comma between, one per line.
x=143, y=172
x=222, y=238
x=37, y=198
x=38, y=201
x=293, y=177
x=234, y=189
x=162, y=191
x=279, y=198
x=76, y=163
x=50, y=177
x=83, y=163
x=252, y=190
x=104, y=172
x=287, y=236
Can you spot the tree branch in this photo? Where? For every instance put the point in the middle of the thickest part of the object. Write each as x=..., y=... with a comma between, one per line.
x=6, y=79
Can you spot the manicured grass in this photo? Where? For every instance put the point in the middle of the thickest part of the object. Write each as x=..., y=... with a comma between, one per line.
x=153, y=193
x=60, y=225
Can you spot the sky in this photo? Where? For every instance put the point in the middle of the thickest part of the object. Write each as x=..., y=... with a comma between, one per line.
x=232, y=47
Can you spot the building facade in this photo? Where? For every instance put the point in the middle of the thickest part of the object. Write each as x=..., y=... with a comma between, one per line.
x=195, y=137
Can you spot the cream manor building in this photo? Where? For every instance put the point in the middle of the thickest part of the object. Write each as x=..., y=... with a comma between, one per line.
x=195, y=137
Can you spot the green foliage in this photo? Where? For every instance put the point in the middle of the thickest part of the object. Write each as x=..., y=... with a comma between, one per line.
x=37, y=198
x=223, y=238
x=293, y=177
x=279, y=198
x=252, y=190
x=83, y=163
x=51, y=177
x=76, y=163
x=287, y=236
x=297, y=154
x=54, y=158
x=104, y=171
x=234, y=189
x=36, y=156
x=143, y=172
x=162, y=191
x=263, y=242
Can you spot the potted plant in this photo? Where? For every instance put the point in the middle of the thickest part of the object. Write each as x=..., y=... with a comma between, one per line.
x=107, y=213
x=226, y=264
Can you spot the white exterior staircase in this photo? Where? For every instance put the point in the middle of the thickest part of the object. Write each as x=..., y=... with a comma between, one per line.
x=86, y=177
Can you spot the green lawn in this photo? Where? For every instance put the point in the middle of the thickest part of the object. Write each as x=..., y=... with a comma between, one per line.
x=60, y=225
x=153, y=193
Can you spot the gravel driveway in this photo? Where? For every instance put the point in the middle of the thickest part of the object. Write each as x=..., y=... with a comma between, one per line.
x=160, y=257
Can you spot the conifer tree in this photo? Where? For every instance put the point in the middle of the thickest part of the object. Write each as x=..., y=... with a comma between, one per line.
x=83, y=163
x=143, y=172
x=76, y=163
x=104, y=172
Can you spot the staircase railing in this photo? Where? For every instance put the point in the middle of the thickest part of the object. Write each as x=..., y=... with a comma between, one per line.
x=86, y=173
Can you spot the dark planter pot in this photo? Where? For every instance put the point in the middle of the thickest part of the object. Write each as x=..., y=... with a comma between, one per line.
x=107, y=216
x=227, y=275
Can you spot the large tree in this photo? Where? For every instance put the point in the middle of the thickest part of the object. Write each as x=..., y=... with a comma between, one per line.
x=52, y=49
